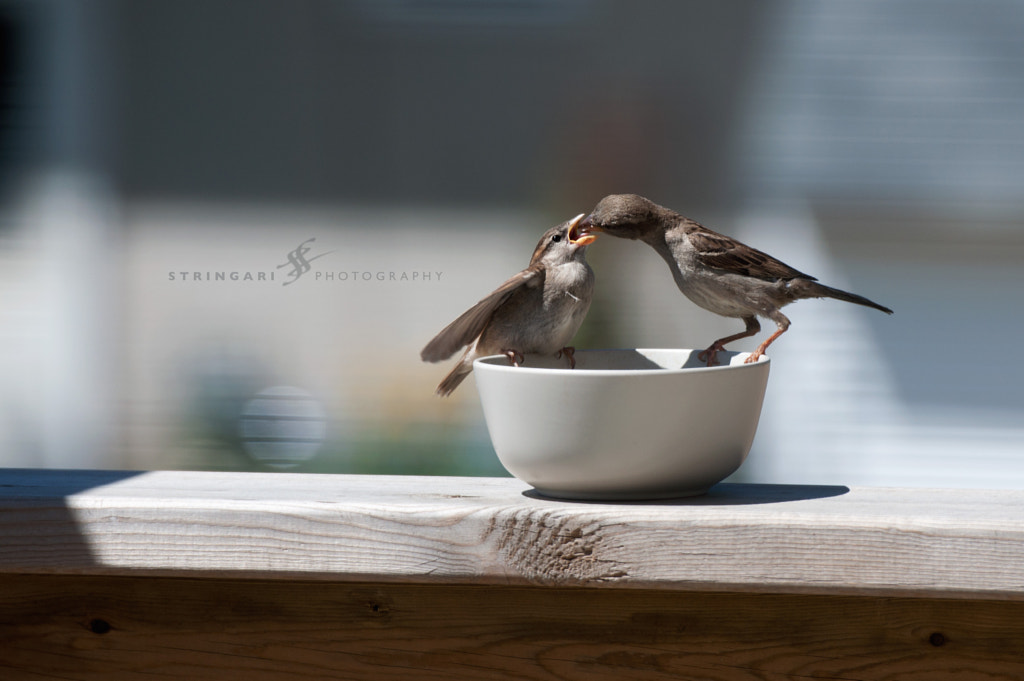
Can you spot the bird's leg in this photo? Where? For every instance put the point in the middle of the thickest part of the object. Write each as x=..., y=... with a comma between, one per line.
x=570, y=352
x=514, y=357
x=783, y=323
x=711, y=354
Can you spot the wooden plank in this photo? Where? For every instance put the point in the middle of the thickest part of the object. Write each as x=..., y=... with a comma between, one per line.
x=107, y=628
x=427, y=530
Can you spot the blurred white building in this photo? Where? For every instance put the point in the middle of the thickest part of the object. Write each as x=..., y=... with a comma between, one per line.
x=889, y=138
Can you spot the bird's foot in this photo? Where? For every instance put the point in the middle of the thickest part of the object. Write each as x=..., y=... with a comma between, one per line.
x=569, y=352
x=711, y=354
x=514, y=357
x=759, y=352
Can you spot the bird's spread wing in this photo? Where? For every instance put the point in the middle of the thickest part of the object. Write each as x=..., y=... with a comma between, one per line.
x=724, y=253
x=471, y=323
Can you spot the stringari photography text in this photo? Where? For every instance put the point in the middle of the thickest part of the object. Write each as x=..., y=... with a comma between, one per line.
x=297, y=265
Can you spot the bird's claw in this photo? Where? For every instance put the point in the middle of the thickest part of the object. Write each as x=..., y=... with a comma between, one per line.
x=569, y=352
x=754, y=356
x=514, y=357
x=710, y=356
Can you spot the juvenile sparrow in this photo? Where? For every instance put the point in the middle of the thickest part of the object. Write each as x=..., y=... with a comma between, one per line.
x=538, y=310
x=716, y=272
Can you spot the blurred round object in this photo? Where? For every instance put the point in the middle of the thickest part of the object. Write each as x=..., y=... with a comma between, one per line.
x=282, y=426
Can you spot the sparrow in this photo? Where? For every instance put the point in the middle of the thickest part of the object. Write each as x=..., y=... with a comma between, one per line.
x=537, y=310
x=716, y=272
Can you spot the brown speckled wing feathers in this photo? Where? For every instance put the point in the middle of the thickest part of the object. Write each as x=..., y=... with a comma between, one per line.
x=471, y=323
x=724, y=253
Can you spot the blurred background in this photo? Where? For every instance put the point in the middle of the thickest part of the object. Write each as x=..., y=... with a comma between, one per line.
x=227, y=228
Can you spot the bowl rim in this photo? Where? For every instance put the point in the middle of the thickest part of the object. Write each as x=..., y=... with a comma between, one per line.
x=500, y=363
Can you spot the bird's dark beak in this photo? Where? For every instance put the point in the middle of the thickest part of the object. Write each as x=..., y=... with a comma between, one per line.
x=587, y=226
x=577, y=236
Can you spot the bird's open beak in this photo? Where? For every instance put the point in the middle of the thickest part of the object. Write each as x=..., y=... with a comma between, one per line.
x=577, y=236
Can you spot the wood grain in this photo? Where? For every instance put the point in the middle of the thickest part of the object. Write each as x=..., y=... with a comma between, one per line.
x=70, y=627
x=493, y=531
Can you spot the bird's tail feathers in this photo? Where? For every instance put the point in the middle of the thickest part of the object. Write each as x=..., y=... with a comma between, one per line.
x=454, y=378
x=821, y=291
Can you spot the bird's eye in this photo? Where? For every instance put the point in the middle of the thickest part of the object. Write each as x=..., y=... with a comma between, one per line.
x=556, y=238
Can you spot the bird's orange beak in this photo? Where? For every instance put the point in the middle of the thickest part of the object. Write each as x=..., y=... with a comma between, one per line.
x=578, y=237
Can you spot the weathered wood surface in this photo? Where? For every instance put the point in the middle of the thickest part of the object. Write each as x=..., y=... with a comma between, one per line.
x=104, y=628
x=472, y=531
x=212, y=576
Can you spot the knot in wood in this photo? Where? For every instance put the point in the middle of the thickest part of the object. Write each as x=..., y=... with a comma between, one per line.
x=549, y=548
x=99, y=626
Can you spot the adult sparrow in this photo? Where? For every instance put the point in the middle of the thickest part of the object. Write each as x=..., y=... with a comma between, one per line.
x=538, y=310
x=716, y=272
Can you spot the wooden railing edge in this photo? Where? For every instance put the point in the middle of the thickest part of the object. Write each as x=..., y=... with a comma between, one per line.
x=965, y=544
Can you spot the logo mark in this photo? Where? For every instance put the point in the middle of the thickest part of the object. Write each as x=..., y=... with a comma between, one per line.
x=299, y=262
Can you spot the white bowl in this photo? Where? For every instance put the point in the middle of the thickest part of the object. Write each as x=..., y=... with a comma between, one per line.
x=624, y=424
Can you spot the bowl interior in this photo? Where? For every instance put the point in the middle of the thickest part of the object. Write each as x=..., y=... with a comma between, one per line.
x=629, y=360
